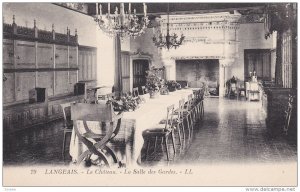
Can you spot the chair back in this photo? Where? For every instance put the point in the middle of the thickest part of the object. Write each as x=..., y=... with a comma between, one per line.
x=253, y=86
x=143, y=90
x=190, y=101
x=66, y=109
x=181, y=108
x=135, y=92
x=93, y=112
x=170, y=115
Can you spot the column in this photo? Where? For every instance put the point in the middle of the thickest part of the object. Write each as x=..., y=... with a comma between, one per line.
x=221, y=80
x=167, y=72
x=170, y=69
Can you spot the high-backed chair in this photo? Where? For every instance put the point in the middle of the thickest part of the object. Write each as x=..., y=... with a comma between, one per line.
x=135, y=92
x=96, y=140
x=136, y=95
x=162, y=133
x=253, y=91
x=188, y=112
x=241, y=88
x=67, y=124
x=144, y=91
x=180, y=124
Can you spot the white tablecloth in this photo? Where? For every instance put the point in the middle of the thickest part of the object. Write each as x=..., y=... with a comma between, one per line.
x=146, y=116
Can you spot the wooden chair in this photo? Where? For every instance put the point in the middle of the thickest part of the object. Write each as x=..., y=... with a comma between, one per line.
x=67, y=124
x=136, y=95
x=94, y=141
x=253, y=92
x=241, y=88
x=144, y=91
x=188, y=113
x=201, y=103
x=162, y=133
x=180, y=124
x=135, y=92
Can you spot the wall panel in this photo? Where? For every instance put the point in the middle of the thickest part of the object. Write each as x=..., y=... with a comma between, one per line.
x=46, y=80
x=61, y=56
x=45, y=55
x=61, y=82
x=9, y=88
x=25, y=54
x=8, y=54
x=24, y=83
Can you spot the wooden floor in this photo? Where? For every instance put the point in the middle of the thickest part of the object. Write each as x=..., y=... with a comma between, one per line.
x=231, y=131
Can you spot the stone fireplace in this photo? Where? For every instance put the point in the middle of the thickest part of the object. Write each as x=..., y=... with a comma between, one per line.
x=199, y=73
x=209, y=49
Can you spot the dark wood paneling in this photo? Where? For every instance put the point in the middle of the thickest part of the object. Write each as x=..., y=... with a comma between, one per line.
x=258, y=60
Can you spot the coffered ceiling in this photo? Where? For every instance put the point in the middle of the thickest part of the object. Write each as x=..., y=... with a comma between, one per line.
x=156, y=9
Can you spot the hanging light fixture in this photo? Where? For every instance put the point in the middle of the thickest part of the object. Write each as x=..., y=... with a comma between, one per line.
x=168, y=41
x=122, y=23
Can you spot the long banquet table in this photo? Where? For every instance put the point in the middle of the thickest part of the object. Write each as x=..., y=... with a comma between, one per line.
x=146, y=116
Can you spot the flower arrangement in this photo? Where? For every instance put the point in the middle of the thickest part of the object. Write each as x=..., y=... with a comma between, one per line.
x=124, y=103
x=153, y=80
x=173, y=85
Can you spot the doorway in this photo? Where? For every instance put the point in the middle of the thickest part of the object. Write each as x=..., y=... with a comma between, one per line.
x=140, y=66
x=258, y=60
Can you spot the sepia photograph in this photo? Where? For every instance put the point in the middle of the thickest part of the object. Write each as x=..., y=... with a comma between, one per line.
x=150, y=94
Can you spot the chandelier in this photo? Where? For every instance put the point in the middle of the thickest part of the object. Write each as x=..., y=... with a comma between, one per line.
x=122, y=23
x=168, y=41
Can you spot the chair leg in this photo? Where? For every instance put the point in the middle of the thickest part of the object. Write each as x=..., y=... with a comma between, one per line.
x=188, y=126
x=173, y=143
x=191, y=123
x=179, y=135
x=202, y=110
x=64, y=144
x=147, y=151
x=166, y=147
x=181, y=126
x=197, y=112
x=155, y=144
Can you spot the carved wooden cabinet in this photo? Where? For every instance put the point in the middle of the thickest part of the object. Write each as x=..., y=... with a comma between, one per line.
x=33, y=59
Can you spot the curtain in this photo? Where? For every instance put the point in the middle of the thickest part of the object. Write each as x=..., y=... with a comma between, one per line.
x=118, y=66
